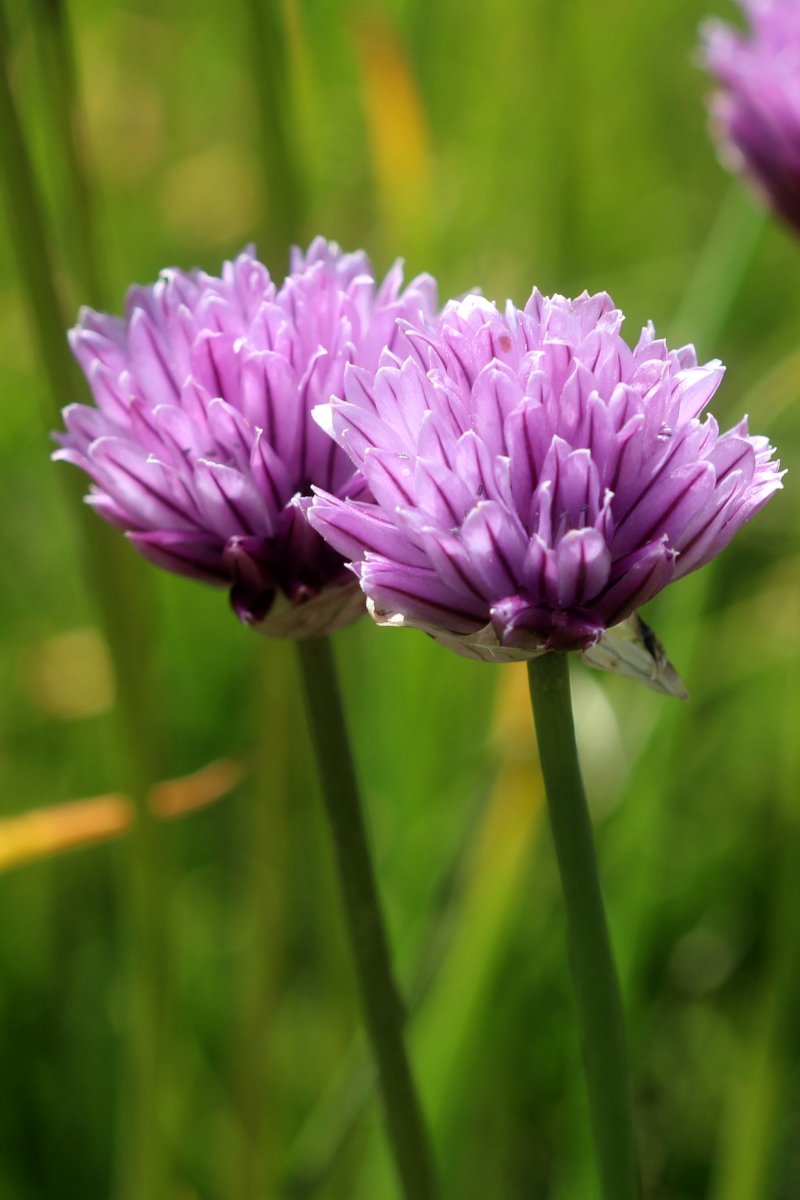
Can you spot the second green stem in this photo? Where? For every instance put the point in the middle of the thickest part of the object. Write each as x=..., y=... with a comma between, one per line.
x=383, y=1010
x=593, y=972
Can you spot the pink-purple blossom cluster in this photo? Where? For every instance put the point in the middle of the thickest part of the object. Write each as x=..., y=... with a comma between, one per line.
x=757, y=111
x=510, y=481
x=202, y=434
x=533, y=479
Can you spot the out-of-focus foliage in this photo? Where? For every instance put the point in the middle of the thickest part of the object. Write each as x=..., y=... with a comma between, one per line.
x=500, y=146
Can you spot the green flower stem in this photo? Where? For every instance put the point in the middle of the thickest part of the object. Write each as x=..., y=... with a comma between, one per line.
x=593, y=972
x=113, y=587
x=382, y=1007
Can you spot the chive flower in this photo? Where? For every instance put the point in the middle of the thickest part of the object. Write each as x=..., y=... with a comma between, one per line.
x=533, y=479
x=756, y=113
x=202, y=433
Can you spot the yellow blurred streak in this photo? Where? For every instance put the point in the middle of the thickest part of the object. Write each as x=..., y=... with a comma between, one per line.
x=48, y=831
x=70, y=675
x=398, y=131
x=493, y=877
x=175, y=797
x=45, y=832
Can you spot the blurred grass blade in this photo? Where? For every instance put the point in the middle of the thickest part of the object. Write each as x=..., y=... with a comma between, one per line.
x=261, y=919
x=31, y=244
x=777, y=391
x=451, y=1017
x=383, y=1009
x=300, y=79
x=110, y=571
x=53, y=34
x=759, y=1115
x=722, y=266
x=452, y=1021
x=280, y=146
x=706, y=306
x=705, y=309
x=448, y=1019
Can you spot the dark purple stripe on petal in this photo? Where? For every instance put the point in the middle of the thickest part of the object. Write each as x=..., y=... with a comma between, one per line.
x=389, y=478
x=637, y=580
x=109, y=467
x=195, y=558
x=419, y=595
x=357, y=529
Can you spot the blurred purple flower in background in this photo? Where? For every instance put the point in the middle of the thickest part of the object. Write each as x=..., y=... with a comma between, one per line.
x=203, y=433
x=534, y=479
x=757, y=112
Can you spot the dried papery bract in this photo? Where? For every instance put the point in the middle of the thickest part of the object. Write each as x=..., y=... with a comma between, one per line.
x=202, y=435
x=756, y=112
x=534, y=479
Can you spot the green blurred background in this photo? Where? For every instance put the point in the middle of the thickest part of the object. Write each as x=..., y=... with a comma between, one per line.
x=500, y=146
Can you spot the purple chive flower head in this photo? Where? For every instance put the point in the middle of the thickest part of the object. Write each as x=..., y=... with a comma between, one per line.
x=202, y=435
x=534, y=478
x=757, y=111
